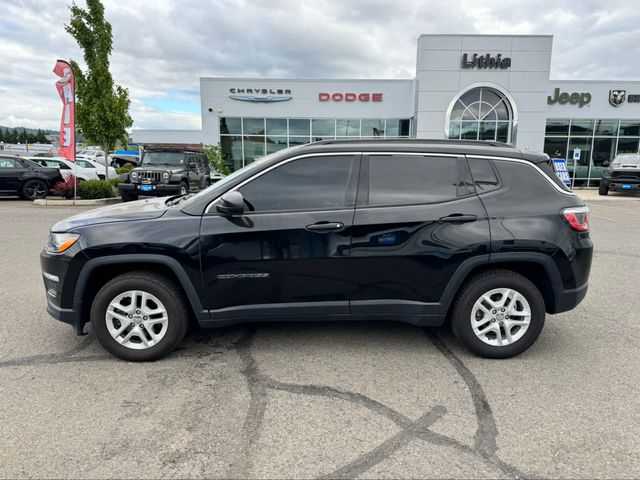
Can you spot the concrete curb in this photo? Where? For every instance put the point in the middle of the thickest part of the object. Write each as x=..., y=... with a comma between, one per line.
x=77, y=203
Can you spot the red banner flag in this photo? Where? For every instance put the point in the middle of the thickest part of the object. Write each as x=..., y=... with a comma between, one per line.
x=67, y=90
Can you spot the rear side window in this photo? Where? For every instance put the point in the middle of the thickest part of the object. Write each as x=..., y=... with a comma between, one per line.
x=313, y=183
x=484, y=175
x=414, y=179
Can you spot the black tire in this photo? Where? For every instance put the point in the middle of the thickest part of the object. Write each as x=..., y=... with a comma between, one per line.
x=184, y=187
x=172, y=298
x=128, y=197
x=482, y=283
x=34, y=189
x=603, y=189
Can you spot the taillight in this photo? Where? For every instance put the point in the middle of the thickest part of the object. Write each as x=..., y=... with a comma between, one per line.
x=577, y=218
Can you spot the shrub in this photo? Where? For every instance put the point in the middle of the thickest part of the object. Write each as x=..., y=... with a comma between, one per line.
x=115, y=181
x=214, y=156
x=90, y=189
x=126, y=168
x=65, y=188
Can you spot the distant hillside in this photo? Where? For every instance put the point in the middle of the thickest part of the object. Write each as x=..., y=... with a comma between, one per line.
x=24, y=135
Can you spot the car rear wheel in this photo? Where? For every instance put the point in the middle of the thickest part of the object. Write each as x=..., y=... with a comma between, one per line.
x=34, y=189
x=140, y=316
x=184, y=188
x=603, y=189
x=498, y=314
x=128, y=197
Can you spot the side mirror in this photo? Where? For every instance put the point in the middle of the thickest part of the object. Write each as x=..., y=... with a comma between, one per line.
x=231, y=203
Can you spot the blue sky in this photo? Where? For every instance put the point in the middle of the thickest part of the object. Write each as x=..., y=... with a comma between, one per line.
x=162, y=47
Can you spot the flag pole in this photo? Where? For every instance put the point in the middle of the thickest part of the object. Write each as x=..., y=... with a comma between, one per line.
x=75, y=163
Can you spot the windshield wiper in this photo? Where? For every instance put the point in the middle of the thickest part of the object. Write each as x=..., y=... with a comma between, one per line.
x=180, y=199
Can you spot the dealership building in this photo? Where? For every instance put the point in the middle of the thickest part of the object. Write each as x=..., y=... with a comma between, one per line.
x=479, y=87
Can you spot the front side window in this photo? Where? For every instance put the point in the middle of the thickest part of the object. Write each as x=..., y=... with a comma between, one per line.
x=313, y=183
x=413, y=179
x=85, y=164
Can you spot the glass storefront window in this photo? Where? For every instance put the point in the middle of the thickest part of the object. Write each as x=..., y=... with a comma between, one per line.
x=372, y=128
x=230, y=125
x=398, y=127
x=627, y=145
x=253, y=126
x=557, y=127
x=275, y=143
x=607, y=127
x=323, y=128
x=454, y=130
x=231, y=151
x=579, y=169
x=582, y=127
x=298, y=140
x=469, y=130
x=253, y=148
x=299, y=126
x=488, y=130
x=348, y=127
x=276, y=126
x=556, y=147
x=629, y=128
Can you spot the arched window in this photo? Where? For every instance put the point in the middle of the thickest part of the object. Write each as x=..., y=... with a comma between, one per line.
x=482, y=113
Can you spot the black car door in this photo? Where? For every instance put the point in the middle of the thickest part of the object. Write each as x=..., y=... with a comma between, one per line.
x=288, y=253
x=417, y=219
x=9, y=174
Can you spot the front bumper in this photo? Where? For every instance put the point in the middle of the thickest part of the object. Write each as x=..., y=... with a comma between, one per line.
x=621, y=184
x=156, y=190
x=55, y=268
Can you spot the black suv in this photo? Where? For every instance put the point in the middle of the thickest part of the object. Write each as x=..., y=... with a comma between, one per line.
x=163, y=172
x=27, y=179
x=623, y=175
x=484, y=236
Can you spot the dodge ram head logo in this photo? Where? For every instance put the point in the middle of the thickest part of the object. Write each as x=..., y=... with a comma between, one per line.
x=616, y=97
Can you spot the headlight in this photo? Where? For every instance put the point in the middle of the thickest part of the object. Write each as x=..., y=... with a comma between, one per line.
x=134, y=174
x=59, y=242
x=165, y=176
x=606, y=173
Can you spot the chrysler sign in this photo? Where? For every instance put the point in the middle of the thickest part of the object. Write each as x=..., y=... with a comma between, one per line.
x=260, y=95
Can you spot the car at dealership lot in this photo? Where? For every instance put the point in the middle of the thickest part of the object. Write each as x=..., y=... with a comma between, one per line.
x=99, y=168
x=623, y=175
x=167, y=171
x=92, y=154
x=22, y=177
x=67, y=167
x=482, y=235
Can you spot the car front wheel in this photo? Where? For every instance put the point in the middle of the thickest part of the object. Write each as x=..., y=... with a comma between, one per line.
x=140, y=316
x=498, y=314
x=603, y=189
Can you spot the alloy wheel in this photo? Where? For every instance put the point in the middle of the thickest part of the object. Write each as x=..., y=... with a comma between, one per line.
x=36, y=190
x=500, y=316
x=137, y=319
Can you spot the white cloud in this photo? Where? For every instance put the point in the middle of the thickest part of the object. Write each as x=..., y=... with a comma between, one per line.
x=162, y=47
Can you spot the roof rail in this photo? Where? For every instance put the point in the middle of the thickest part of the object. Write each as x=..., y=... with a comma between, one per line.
x=428, y=141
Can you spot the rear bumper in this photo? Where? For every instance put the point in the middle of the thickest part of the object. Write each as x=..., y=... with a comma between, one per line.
x=158, y=190
x=566, y=300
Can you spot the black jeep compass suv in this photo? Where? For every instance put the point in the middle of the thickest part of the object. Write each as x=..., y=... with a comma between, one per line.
x=481, y=235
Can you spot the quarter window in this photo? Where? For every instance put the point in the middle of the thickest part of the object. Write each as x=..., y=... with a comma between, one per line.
x=314, y=183
x=484, y=177
x=413, y=179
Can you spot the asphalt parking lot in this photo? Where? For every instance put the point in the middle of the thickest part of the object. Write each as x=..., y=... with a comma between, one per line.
x=369, y=400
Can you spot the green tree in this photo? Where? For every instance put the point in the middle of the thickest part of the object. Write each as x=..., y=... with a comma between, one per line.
x=214, y=155
x=102, y=107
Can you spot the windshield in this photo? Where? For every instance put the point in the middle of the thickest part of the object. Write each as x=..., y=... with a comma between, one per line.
x=162, y=158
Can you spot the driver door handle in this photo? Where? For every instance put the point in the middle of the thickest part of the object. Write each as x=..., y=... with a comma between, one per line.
x=323, y=227
x=459, y=218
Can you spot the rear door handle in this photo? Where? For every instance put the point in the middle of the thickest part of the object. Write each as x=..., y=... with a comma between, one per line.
x=322, y=227
x=459, y=218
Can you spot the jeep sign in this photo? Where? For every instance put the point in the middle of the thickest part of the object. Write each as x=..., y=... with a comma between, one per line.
x=575, y=98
